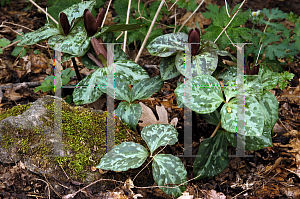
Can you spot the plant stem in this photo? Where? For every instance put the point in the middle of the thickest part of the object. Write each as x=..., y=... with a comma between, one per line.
x=76, y=69
x=261, y=44
x=215, y=131
x=127, y=21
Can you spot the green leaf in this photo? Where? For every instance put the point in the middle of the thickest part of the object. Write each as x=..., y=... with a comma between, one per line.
x=206, y=94
x=269, y=79
x=274, y=13
x=41, y=34
x=55, y=8
x=146, y=87
x=168, y=44
x=270, y=108
x=157, y=135
x=45, y=86
x=129, y=113
x=277, y=50
x=213, y=156
x=212, y=118
x=88, y=90
x=204, y=63
x=76, y=11
x=37, y=52
x=168, y=169
x=252, y=142
x=4, y=42
x=168, y=69
x=213, y=11
x=121, y=90
x=73, y=43
x=127, y=155
x=130, y=72
x=68, y=73
x=297, y=29
x=283, y=77
x=19, y=50
x=228, y=74
x=254, y=117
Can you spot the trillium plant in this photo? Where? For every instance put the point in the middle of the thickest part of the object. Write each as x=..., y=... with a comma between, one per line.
x=210, y=86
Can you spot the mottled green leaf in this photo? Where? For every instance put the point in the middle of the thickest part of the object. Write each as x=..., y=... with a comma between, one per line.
x=213, y=156
x=204, y=63
x=129, y=71
x=146, y=87
x=229, y=73
x=168, y=44
x=41, y=34
x=269, y=79
x=88, y=90
x=128, y=155
x=76, y=10
x=254, y=116
x=129, y=113
x=157, y=135
x=121, y=90
x=206, y=94
x=270, y=108
x=253, y=142
x=73, y=43
x=168, y=169
x=168, y=69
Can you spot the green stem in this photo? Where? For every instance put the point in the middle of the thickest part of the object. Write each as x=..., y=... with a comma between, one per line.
x=215, y=131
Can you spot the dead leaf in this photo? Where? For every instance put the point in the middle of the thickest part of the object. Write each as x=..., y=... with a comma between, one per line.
x=213, y=194
x=149, y=118
x=12, y=95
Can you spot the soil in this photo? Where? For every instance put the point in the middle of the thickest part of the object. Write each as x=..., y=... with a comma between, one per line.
x=265, y=173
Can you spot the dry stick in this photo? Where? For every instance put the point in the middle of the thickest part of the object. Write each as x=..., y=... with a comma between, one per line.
x=43, y=11
x=106, y=14
x=18, y=25
x=191, y=15
x=175, y=20
x=29, y=84
x=173, y=5
x=215, y=131
x=230, y=21
x=149, y=31
x=10, y=29
x=11, y=44
x=127, y=21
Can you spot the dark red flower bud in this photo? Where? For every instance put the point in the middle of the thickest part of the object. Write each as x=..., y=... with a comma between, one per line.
x=253, y=71
x=63, y=19
x=90, y=23
x=194, y=37
x=98, y=47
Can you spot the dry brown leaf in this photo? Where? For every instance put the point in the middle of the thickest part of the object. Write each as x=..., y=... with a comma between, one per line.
x=12, y=95
x=213, y=194
x=295, y=151
x=149, y=118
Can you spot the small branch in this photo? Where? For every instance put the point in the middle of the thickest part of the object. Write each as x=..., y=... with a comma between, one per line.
x=127, y=21
x=76, y=69
x=43, y=11
x=11, y=44
x=149, y=31
x=217, y=128
x=296, y=56
x=191, y=15
x=106, y=14
x=230, y=21
x=29, y=84
x=18, y=25
x=173, y=5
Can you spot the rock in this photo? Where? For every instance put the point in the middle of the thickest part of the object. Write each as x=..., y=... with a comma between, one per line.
x=29, y=137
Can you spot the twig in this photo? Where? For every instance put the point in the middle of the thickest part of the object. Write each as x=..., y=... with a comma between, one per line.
x=173, y=5
x=29, y=84
x=258, y=54
x=215, y=131
x=149, y=31
x=127, y=21
x=120, y=35
x=191, y=15
x=18, y=25
x=296, y=56
x=106, y=14
x=175, y=20
x=10, y=29
x=43, y=11
x=11, y=44
x=283, y=125
x=230, y=21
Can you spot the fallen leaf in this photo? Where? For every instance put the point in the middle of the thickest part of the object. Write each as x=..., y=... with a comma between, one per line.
x=149, y=118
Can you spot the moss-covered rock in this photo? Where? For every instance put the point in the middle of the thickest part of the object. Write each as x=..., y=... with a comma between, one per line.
x=28, y=133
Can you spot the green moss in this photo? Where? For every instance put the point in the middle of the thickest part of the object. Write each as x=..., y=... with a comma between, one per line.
x=84, y=134
x=16, y=110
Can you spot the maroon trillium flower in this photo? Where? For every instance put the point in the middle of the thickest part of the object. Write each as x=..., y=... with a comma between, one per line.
x=253, y=71
x=194, y=37
x=64, y=22
x=101, y=52
x=90, y=23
